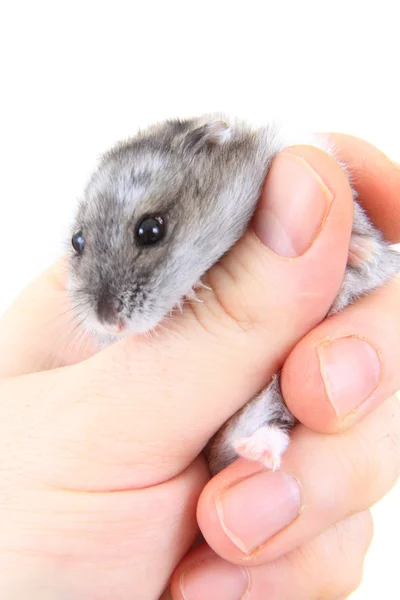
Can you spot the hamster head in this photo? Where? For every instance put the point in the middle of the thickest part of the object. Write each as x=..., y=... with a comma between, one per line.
x=154, y=217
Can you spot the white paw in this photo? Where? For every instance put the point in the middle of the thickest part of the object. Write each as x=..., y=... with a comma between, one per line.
x=266, y=445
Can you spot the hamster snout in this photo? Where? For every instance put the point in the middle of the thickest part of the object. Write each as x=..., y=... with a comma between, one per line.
x=109, y=310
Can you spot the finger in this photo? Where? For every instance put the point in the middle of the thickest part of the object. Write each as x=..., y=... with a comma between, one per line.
x=250, y=516
x=87, y=545
x=347, y=365
x=327, y=568
x=376, y=179
x=39, y=331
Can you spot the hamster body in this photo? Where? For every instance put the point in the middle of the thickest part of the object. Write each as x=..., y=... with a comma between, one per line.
x=159, y=211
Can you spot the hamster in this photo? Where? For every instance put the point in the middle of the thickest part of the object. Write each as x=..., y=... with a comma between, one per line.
x=159, y=211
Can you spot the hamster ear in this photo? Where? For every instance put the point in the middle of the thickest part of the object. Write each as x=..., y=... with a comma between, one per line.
x=212, y=133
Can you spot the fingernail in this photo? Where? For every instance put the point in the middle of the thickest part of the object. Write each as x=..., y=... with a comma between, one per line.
x=216, y=579
x=351, y=370
x=293, y=206
x=258, y=507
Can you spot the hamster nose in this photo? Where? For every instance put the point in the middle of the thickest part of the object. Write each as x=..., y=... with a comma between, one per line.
x=108, y=309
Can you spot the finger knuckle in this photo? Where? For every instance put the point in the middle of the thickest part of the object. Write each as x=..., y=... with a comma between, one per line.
x=373, y=465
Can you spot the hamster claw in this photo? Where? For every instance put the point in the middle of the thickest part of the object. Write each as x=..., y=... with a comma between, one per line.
x=200, y=284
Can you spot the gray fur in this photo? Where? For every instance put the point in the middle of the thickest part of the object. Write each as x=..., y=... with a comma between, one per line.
x=382, y=264
x=204, y=176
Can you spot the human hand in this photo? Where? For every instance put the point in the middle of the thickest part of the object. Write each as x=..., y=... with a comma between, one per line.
x=258, y=540
x=101, y=456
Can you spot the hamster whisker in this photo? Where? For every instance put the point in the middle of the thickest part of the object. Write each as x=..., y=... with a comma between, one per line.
x=75, y=336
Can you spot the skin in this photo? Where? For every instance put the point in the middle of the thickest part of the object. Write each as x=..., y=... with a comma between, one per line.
x=103, y=485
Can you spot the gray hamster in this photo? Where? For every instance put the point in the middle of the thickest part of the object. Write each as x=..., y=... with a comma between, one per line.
x=159, y=211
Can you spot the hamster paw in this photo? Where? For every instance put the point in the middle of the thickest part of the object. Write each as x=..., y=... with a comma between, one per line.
x=363, y=250
x=266, y=445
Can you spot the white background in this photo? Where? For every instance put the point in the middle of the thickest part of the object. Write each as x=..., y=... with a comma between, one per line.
x=77, y=76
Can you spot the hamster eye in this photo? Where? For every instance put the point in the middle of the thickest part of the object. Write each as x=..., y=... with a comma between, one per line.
x=150, y=230
x=78, y=241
